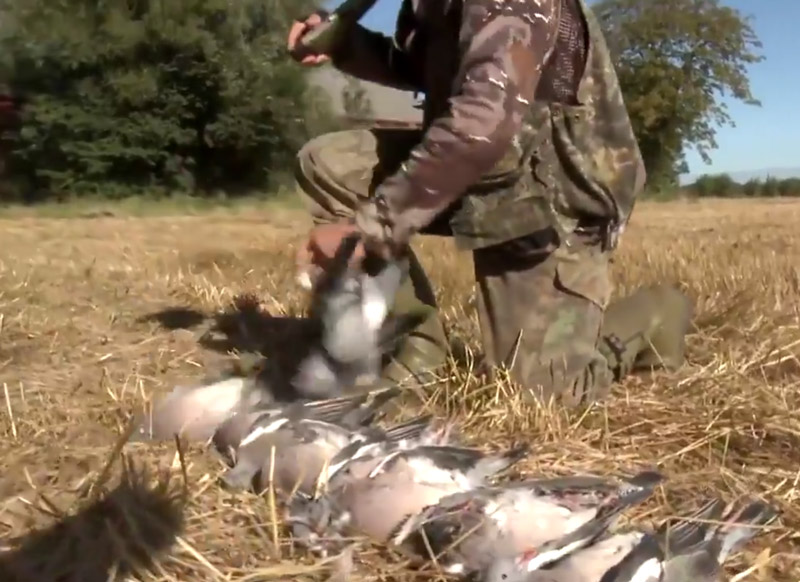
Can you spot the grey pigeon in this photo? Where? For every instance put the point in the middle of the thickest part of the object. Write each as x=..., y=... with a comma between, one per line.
x=468, y=531
x=311, y=517
x=351, y=307
x=372, y=443
x=373, y=495
x=693, y=551
x=690, y=551
x=303, y=449
x=352, y=412
x=195, y=412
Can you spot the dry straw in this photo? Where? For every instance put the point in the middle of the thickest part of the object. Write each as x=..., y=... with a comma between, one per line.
x=78, y=355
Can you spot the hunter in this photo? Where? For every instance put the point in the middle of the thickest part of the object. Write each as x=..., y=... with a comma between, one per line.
x=527, y=158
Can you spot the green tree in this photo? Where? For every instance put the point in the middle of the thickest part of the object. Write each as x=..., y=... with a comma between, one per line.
x=718, y=185
x=675, y=60
x=355, y=101
x=789, y=187
x=771, y=187
x=127, y=96
x=702, y=187
x=752, y=188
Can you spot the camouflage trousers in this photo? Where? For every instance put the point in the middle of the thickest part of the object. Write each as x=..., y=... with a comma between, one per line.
x=540, y=304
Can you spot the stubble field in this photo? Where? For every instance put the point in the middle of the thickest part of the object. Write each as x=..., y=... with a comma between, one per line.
x=98, y=314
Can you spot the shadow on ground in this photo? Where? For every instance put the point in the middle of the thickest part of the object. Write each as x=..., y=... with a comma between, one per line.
x=119, y=534
x=244, y=327
x=258, y=337
x=173, y=318
x=266, y=346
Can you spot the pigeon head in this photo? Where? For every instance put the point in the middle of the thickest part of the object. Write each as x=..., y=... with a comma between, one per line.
x=314, y=523
x=314, y=513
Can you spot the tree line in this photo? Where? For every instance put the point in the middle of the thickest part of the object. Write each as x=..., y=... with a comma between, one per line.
x=127, y=97
x=724, y=186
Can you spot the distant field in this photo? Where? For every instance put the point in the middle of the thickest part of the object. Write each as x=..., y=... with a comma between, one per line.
x=99, y=313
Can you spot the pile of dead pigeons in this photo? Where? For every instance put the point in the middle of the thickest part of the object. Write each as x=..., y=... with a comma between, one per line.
x=415, y=486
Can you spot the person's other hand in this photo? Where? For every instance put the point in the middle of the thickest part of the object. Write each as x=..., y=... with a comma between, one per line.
x=298, y=29
x=316, y=253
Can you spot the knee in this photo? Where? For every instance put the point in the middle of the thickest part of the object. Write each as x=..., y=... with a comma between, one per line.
x=332, y=171
x=305, y=157
x=327, y=148
x=314, y=185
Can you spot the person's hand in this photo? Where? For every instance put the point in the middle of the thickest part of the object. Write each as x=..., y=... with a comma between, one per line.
x=323, y=241
x=298, y=29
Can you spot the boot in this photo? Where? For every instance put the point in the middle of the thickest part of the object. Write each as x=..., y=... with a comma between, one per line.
x=425, y=348
x=646, y=330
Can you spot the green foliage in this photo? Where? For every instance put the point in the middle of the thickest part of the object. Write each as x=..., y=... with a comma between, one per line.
x=198, y=96
x=675, y=60
x=723, y=186
x=127, y=96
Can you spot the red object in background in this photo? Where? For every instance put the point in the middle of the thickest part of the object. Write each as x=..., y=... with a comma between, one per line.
x=9, y=107
x=9, y=120
x=7, y=103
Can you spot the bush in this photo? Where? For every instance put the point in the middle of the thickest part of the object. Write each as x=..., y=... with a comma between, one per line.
x=121, y=97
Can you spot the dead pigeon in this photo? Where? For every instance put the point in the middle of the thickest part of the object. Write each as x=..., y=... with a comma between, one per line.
x=690, y=551
x=195, y=412
x=468, y=531
x=693, y=551
x=351, y=307
x=353, y=412
x=373, y=495
x=373, y=443
x=303, y=450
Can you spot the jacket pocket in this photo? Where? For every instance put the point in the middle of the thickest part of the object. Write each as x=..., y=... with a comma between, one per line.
x=487, y=219
x=599, y=160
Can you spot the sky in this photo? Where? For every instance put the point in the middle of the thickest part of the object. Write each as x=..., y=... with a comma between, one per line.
x=764, y=137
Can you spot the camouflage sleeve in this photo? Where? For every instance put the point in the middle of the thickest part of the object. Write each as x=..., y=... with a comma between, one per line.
x=372, y=56
x=503, y=47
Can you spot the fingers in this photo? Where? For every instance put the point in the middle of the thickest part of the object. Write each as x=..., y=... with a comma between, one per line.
x=313, y=60
x=310, y=260
x=316, y=253
x=296, y=32
x=303, y=258
x=300, y=27
x=358, y=255
x=312, y=253
x=304, y=266
x=314, y=20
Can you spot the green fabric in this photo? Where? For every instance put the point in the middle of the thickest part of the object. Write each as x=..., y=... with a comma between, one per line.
x=540, y=312
x=579, y=160
x=425, y=349
x=647, y=329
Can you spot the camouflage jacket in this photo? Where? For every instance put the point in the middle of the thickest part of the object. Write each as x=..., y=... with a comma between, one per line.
x=516, y=161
